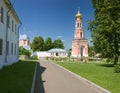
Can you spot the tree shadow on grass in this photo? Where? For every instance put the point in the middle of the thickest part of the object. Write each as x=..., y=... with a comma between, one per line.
x=106, y=65
x=39, y=87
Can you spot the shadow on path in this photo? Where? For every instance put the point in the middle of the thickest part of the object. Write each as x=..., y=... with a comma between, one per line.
x=39, y=87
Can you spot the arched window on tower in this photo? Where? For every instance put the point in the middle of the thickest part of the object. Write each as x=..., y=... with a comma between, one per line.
x=78, y=25
x=82, y=51
x=81, y=34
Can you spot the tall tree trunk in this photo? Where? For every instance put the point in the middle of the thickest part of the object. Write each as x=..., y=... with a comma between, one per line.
x=116, y=59
x=116, y=48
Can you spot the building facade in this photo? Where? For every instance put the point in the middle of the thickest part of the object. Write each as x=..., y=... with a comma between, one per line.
x=24, y=41
x=57, y=52
x=9, y=24
x=79, y=43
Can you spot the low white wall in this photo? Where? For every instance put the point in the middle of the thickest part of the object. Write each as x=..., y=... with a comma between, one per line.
x=47, y=54
x=78, y=56
x=41, y=54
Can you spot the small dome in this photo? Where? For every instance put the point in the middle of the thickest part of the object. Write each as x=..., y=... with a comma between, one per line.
x=78, y=15
x=24, y=37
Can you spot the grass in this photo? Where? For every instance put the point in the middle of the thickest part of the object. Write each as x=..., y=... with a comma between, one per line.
x=17, y=78
x=99, y=73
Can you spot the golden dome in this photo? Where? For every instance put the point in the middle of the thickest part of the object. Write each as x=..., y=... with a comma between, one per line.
x=78, y=15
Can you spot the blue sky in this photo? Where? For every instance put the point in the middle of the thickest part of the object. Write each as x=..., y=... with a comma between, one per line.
x=53, y=18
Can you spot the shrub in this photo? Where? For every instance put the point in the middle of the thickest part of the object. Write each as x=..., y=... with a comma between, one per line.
x=117, y=68
x=34, y=58
x=47, y=58
x=23, y=51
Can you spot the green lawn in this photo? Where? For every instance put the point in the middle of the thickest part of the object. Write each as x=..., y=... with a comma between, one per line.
x=17, y=78
x=99, y=73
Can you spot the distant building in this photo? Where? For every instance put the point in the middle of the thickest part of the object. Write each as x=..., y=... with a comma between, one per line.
x=79, y=43
x=57, y=52
x=24, y=41
x=9, y=25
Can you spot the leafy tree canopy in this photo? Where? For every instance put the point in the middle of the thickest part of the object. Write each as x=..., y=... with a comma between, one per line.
x=37, y=44
x=105, y=28
x=91, y=51
x=48, y=44
x=58, y=44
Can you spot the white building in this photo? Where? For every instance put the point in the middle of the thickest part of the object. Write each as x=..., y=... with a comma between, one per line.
x=57, y=52
x=9, y=25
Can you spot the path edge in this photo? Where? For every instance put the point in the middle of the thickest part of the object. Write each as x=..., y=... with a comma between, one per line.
x=34, y=78
x=99, y=88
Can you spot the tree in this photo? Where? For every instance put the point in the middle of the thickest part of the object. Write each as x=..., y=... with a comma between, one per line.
x=91, y=51
x=69, y=52
x=23, y=51
x=48, y=44
x=105, y=28
x=37, y=44
x=58, y=44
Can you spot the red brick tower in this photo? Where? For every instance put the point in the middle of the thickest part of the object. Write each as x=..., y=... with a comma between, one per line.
x=79, y=43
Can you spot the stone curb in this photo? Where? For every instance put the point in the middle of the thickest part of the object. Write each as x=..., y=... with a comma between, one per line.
x=34, y=78
x=98, y=88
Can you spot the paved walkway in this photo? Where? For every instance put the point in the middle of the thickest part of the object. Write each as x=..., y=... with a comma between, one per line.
x=53, y=79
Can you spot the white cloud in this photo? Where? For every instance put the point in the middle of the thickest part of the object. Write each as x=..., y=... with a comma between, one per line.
x=59, y=36
x=63, y=40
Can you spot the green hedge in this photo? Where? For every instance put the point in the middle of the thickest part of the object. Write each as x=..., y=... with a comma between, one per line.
x=117, y=68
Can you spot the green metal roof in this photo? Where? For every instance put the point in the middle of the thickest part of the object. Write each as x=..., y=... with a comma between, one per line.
x=55, y=50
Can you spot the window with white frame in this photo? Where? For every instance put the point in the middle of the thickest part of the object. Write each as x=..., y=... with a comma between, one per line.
x=11, y=48
x=8, y=21
x=15, y=28
x=1, y=45
x=12, y=26
x=2, y=15
x=15, y=50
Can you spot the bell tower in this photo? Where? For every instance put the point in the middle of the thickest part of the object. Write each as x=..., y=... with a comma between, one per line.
x=79, y=43
x=78, y=26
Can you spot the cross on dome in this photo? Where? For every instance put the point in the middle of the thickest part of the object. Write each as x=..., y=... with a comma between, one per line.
x=78, y=15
